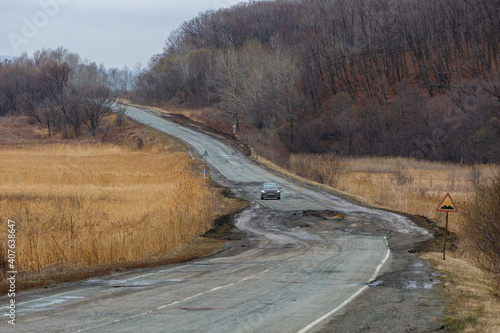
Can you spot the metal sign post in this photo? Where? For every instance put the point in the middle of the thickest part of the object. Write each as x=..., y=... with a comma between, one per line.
x=445, y=237
x=447, y=206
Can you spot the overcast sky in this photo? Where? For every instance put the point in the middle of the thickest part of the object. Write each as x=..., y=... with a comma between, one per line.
x=116, y=33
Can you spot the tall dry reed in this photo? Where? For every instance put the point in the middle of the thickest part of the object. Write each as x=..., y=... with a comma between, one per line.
x=324, y=169
x=403, y=184
x=83, y=205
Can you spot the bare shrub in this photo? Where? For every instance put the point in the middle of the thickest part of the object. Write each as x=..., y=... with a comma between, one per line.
x=139, y=143
x=481, y=223
x=324, y=169
x=452, y=177
x=267, y=144
x=121, y=113
x=401, y=175
x=474, y=175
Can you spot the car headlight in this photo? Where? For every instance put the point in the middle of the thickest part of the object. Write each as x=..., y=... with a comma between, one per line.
x=263, y=191
x=279, y=191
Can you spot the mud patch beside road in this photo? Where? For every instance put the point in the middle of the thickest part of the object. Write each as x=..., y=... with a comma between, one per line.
x=224, y=229
x=403, y=299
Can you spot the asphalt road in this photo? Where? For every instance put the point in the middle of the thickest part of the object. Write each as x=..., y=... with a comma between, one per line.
x=298, y=269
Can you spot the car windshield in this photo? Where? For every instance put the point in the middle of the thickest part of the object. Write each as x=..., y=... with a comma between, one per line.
x=270, y=186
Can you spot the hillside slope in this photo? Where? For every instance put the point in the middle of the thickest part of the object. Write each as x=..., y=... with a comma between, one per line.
x=363, y=77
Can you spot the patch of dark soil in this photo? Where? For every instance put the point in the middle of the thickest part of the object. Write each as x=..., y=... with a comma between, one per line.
x=321, y=214
x=436, y=243
x=226, y=192
x=224, y=229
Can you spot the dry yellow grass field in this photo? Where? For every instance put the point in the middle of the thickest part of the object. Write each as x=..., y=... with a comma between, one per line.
x=411, y=186
x=84, y=205
x=408, y=185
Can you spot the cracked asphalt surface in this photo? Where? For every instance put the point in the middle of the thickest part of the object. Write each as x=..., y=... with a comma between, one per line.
x=311, y=262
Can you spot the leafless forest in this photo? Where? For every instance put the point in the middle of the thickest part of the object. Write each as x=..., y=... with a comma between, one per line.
x=415, y=78
x=60, y=92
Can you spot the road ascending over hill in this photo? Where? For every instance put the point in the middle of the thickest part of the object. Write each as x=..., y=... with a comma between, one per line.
x=301, y=267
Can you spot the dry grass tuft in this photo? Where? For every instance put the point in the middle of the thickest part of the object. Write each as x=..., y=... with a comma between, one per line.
x=473, y=293
x=17, y=131
x=324, y=169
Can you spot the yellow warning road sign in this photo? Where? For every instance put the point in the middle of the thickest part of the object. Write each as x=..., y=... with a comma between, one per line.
x=447, y=205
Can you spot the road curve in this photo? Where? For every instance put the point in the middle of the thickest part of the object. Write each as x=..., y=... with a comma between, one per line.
x=297, y=272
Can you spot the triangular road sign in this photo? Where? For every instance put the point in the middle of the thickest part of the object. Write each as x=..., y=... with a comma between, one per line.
x=447, y=205
x=205, y=154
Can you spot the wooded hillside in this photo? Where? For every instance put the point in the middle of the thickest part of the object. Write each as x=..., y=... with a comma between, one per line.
x=413, y=78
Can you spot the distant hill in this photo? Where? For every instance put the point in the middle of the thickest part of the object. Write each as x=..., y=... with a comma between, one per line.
x=359, y=77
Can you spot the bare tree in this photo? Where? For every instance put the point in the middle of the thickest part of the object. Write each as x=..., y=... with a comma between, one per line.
x=229, y=77
x=96, y=102
x=121, y=112
x=54, y=80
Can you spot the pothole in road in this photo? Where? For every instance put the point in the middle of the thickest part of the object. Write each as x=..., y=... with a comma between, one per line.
x=322, y=214
x=198, y=309
x=130, y=284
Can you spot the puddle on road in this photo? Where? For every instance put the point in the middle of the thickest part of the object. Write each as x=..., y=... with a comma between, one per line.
x=349, y=285
x=375, y=283
x=198, y=309
x=410, y=285
x=403, y=284
x=415, y=276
